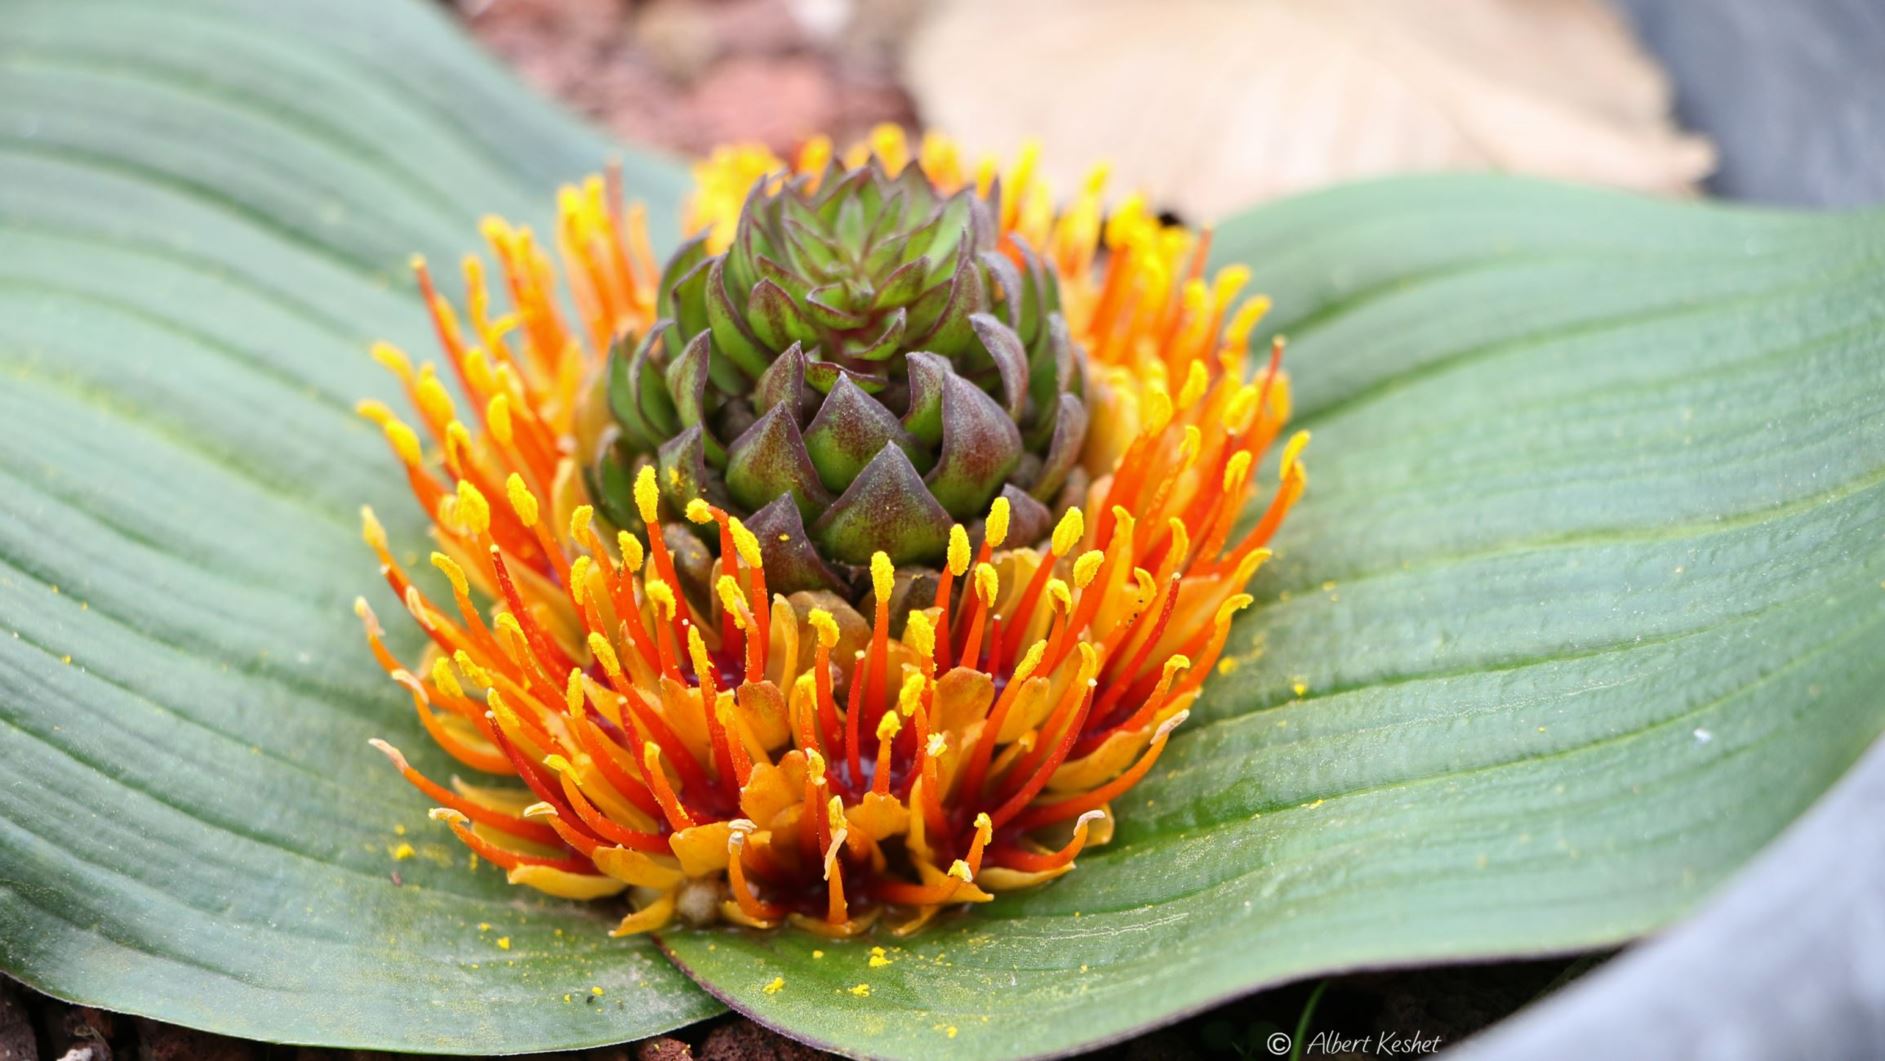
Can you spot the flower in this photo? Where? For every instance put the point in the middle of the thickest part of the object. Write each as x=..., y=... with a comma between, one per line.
x=693, y=729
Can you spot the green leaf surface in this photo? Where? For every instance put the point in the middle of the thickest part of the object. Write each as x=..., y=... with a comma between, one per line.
x=1584, y=603
x=205, y=213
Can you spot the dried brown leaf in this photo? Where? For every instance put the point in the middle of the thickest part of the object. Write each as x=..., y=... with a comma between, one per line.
x=1212, y=104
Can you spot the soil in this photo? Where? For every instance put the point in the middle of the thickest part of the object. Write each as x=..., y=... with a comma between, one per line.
x=1420, y=1010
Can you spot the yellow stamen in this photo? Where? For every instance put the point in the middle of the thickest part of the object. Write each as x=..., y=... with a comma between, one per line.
x=1068, y=532
x=523, y=502
x=883, y=576
x=958, y=551
x=827, y=627
x=474, y=512
x=647, y=495
x=997, y=527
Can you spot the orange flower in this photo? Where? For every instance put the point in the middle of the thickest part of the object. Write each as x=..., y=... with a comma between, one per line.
x=723, y=752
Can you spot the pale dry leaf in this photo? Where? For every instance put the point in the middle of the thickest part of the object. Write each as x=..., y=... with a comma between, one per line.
x=1209, y=105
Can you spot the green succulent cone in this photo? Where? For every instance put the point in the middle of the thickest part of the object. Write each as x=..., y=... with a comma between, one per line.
x=860, y=370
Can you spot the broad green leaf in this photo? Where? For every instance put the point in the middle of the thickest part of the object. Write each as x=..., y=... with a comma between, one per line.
x=1584, y=603
x=205, y=211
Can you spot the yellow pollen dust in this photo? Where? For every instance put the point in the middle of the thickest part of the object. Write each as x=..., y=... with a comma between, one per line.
x=443, y=677
x=647, y=495
x=1291, y=451
x=958, y=551
x=697, y=651
x=1025, y=667
x=498, y=417
x=474, y=512
x=434, y=402
x=910, y=696
x=375, y=411
x=605, y=654
x=470, y=669
x=1062, y=597
x=998, y=514
x=728, y=590
x=405, y=442
x=452, y=572
x=987, y=583
x=1196, y=379
x=745, y=542
x=1235, y=470
x=391, y=358
x=663, y=598
x=826, y=627
x=579, y=573
x=371, y=530
x=630, y=548
x=883, y=576
x=457, y=441
x=523, y=502
x=1068, y=532
x=919, y=632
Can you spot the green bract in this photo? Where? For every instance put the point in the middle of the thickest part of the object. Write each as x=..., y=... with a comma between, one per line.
x=861, y=369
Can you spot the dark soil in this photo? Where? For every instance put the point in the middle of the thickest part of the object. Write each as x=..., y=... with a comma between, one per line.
x=1420, y=1010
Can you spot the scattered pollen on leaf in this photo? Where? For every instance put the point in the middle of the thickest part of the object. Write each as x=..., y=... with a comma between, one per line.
x=503, y=943
x=777, y=985
x=402, y=852
x=862, y=990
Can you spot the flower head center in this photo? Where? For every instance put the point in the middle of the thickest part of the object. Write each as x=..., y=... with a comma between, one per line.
x=867, y=362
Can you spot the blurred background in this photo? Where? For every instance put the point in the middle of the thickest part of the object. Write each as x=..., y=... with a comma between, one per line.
x=1210, y=104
